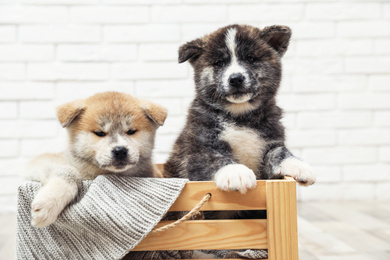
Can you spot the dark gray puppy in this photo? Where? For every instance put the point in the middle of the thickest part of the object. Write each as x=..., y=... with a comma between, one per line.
x=233, y=133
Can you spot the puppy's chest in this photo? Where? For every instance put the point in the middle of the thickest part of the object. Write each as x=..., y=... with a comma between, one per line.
x=247, y=145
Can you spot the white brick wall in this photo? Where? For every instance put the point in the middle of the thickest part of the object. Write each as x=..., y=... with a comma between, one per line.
x=335, y=90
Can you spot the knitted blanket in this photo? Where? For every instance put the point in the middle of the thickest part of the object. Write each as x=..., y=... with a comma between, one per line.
x=110, y=216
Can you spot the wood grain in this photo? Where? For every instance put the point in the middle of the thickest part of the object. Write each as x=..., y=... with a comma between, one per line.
x=209, y=234
x=282, y=220
x=193, y=192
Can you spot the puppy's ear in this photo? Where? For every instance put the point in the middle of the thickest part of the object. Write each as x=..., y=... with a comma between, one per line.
x=66, y=113
x=154, y=112
x=191, y=50
x=278, y=37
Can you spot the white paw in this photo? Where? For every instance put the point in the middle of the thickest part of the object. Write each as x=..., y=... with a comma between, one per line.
x=44, y=211
x=299, y=170
x=235, y=177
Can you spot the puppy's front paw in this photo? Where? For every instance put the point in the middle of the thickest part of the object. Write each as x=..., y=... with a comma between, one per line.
x=44, y=211
x=299, y=170
x=235, y=177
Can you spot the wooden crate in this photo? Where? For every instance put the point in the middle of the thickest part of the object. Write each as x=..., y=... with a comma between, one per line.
x=277, y=233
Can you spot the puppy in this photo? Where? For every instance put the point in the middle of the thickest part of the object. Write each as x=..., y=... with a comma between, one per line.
x=108, y=133
x=233, y=134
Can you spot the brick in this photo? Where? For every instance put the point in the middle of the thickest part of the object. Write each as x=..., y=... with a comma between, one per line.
x=68, y=91
x=60, y=33
x=340, y=155
x=313, y=30
x=165, y=88
x=368, y=64
x=12, y=71
x=270, y=13
x=382, y=118
x=387, y=10
x=26, y=52
x=364, y=101
x=164, y=143
x=310, y=138
x=219, y=1
x=8, y=203
x=363, y=28
x=368, y=172
x=8, y=110
x=382, y=191
x=188, y=13
x=160, y=70
x=159, y=52
x=60, y=2
x=112, y=52
x=289, y=120
x=174, y=105
x=7, y=33
x=141, y=2
x=380, y=82
x=34, y=147
x=12, y=166
x=321, y=192
x=195, y=30
x=37, y=110
x=364, y=137
x=33, y=14
x=109, y=15
x=382, y=46
x=26, y=91
x=172, y=125
x=342, y=191
x=306, y=66
x=68, y=71
x=306, y=102
x=9, y=185
x=333, y=47
x=343, y=11
x=9, y=148
x=336, y=119
x=384, y=154
x=327, y=174
x=331, y=83
x=142, y=33
x=28, y=128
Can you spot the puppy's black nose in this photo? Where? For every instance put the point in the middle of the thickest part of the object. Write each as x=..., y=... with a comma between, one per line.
x=236, y=80
x=120, y=152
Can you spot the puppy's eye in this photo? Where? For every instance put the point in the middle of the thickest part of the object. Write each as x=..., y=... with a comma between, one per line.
x=100, y=133
x=131, y=132
x=219, y=64
x=250, y=59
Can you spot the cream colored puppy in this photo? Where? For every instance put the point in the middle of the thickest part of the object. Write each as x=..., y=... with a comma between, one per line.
x=108, y=133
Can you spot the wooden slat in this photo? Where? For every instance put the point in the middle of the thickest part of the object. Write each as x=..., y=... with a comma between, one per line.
x=208, y=234
x=193, y=192
x=282, y=220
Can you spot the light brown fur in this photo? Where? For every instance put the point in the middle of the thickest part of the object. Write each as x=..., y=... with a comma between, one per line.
x=89, y=155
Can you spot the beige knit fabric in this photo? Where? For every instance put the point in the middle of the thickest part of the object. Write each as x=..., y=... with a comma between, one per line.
x=110, y=216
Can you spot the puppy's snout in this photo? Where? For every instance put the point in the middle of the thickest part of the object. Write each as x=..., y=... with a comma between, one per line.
x=236, y=80
x=120, y=152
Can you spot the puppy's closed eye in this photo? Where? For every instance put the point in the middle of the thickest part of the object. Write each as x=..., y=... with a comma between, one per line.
x=100, y=133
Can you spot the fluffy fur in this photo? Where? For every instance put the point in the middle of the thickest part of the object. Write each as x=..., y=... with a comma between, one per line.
x=233, y=134
x=108, y=133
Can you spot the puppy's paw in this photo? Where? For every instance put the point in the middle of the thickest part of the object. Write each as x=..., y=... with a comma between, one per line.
x=235, y=177
x=44, y=211
x=299, y=170
x=201, y=255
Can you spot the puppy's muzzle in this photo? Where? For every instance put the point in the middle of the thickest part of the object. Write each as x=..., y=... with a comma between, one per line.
x=236, y=80
x=120, y=153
